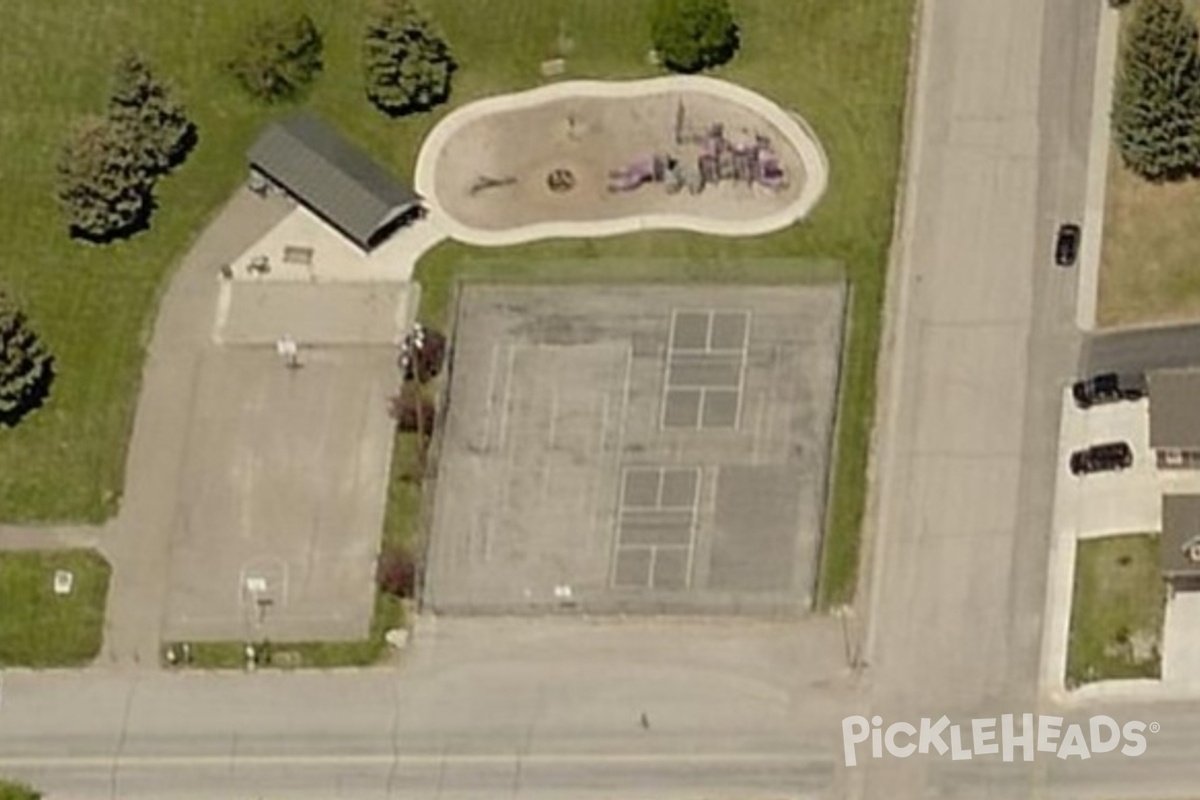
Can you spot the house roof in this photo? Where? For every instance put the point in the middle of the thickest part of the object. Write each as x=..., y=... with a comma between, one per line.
x=1180, y=535
x=1175, y=408
x=332, y=177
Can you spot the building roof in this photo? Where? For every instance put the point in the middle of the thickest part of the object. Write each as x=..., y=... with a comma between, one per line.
x=330, y=176
x=1180, y=539
x=1175, y=408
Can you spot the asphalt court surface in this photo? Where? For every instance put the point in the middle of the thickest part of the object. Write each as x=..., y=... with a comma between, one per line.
x=640, y=449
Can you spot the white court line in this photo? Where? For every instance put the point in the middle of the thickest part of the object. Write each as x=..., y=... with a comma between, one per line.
x=616, y=539
x=653, y=562
x=552, y=428
x=737, y=412
x=666, y=374
x=491, y=395
x=512, y=357
x=758, y=438
x=691, y=556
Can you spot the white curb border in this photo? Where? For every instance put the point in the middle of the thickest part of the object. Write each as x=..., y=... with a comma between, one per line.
x=794, y=128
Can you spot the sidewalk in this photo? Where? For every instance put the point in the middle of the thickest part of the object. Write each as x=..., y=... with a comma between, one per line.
x=1097, y=181
x=139, y=550
x=55, y=537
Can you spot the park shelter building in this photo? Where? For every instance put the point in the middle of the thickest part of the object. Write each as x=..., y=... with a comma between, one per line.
x=1175, y=418
x=311, y=163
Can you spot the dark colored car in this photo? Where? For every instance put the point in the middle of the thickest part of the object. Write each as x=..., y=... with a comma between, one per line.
x=1066, y=245
x=1101, y=458
x=1108, y=387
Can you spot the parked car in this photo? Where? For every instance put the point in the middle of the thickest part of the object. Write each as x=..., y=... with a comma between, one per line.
x=1102, y=458
x=1108, y=387
x=1066, y=245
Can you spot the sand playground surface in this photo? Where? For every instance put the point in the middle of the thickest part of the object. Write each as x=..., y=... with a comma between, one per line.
x=556, y=156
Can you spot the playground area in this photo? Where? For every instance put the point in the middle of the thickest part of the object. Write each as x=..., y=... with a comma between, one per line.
x=677, y=148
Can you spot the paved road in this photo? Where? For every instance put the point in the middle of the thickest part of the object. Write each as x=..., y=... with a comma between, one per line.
x=478, y=709
x=984, y=342
x=1143, y=349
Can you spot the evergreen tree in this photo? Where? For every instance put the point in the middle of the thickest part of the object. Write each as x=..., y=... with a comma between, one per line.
x=103, y=187
x=691, y=35
x=406, y=61
x=145, y=108
x=280, y=58
x=26, y=367
x=1156, y=104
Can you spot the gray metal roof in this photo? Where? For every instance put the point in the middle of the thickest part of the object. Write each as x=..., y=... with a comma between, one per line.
x=1175, y=409
x=1180, y=535
x=329, y=175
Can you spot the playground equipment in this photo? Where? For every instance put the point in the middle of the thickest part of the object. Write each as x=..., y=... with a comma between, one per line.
x=483, y=183
x=650, y=169
x=754, y=163
x=560, y=180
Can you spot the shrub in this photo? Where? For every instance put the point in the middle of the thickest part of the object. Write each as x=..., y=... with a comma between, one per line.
x=103, y=189
x=423, y=355
x=397, y=572
x=280, y=58
x=412, y=411
x=406, y=63
x=691, y=35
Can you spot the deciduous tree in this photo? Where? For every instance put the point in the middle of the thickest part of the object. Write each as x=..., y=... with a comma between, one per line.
x=691, y=35
x=280, y=57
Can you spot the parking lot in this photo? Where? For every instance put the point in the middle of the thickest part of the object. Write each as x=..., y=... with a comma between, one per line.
x=645, y=449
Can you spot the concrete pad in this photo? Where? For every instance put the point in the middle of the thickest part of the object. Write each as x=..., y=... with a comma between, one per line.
x=281, y=496
x=564, y=465
x=1181, y=639
x=303, y=247
x=313, y=314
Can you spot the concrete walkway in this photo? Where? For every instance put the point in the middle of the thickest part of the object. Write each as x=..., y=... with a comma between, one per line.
x=139, y=543
x=54, y=537
x=1097, y=181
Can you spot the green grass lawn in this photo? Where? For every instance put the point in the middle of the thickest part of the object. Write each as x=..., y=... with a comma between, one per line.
x=842, y=65
x=1149, y=252
x=1117, y=610
x=41, y=629
x=17, y=791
